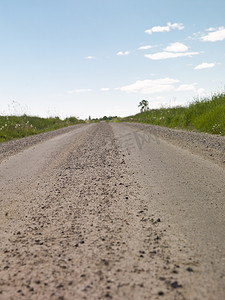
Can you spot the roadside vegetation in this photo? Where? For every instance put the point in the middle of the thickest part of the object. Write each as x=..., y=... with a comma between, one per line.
x=15, y=127
x=206, y=115
x=105, y=118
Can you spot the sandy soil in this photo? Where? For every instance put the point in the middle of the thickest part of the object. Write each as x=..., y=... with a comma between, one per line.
x=110, y=212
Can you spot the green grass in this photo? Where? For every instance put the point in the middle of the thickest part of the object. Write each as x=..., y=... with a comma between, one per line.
x=206, y=115
x=14, y=127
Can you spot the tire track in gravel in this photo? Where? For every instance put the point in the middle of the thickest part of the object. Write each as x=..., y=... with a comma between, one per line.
x=83, y=229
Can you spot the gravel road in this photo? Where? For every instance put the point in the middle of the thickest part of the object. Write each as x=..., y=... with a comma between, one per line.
x=113, y=211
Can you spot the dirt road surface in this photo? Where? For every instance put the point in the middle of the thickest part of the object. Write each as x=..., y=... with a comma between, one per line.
x=113, y=211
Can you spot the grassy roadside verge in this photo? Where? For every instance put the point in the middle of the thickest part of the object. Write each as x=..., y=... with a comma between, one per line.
x=206, y=115
x=15, y=127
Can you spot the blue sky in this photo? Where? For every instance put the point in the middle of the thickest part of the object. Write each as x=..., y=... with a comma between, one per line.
x=102, y=57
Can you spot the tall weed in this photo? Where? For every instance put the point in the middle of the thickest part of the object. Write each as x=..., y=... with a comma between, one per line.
x=206, y=115
x=14, y=127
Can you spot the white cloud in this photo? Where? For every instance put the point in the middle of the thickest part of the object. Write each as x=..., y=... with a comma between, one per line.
x=79, y=91
x=173, y=50
x=211, y=29
x=151, y=86
x=158, y=29
x=123, y=53
x=167, y=28
x=145, y=47
x=165, y=55
x=90, y=57
x=204, y=66
x=214, y=35
x=186, y=87
x=105, y=89
x=176, y=47
x=178, y=26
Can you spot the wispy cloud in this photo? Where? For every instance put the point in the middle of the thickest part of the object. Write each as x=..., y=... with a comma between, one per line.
x=158, y=29
x=186, y=87
x=204, y=66
x=104, y=89
x=158, y=86
x=121, y=53
x=150, y=86
x=166, y=28
x=176, y=47
x=214, y=35
x=211, y=29
x=166, y=55
x=90, y=57
x=79, y=91
x=145, y=47
x=178, y=26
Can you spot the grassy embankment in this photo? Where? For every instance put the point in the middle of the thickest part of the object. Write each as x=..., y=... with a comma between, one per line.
x=15, y=127
x=206, y=115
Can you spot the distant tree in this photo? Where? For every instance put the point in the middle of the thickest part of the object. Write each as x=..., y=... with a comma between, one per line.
x=144, y=105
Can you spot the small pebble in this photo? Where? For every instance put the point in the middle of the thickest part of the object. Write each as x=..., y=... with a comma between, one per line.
x=175, y=285
x=189, y=269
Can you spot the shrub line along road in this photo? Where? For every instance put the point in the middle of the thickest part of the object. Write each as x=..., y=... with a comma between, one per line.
x=113, y=211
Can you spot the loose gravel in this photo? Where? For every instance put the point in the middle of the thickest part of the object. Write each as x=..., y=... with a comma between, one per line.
x=83, y=228
x=15, y=146
x=206, y=145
